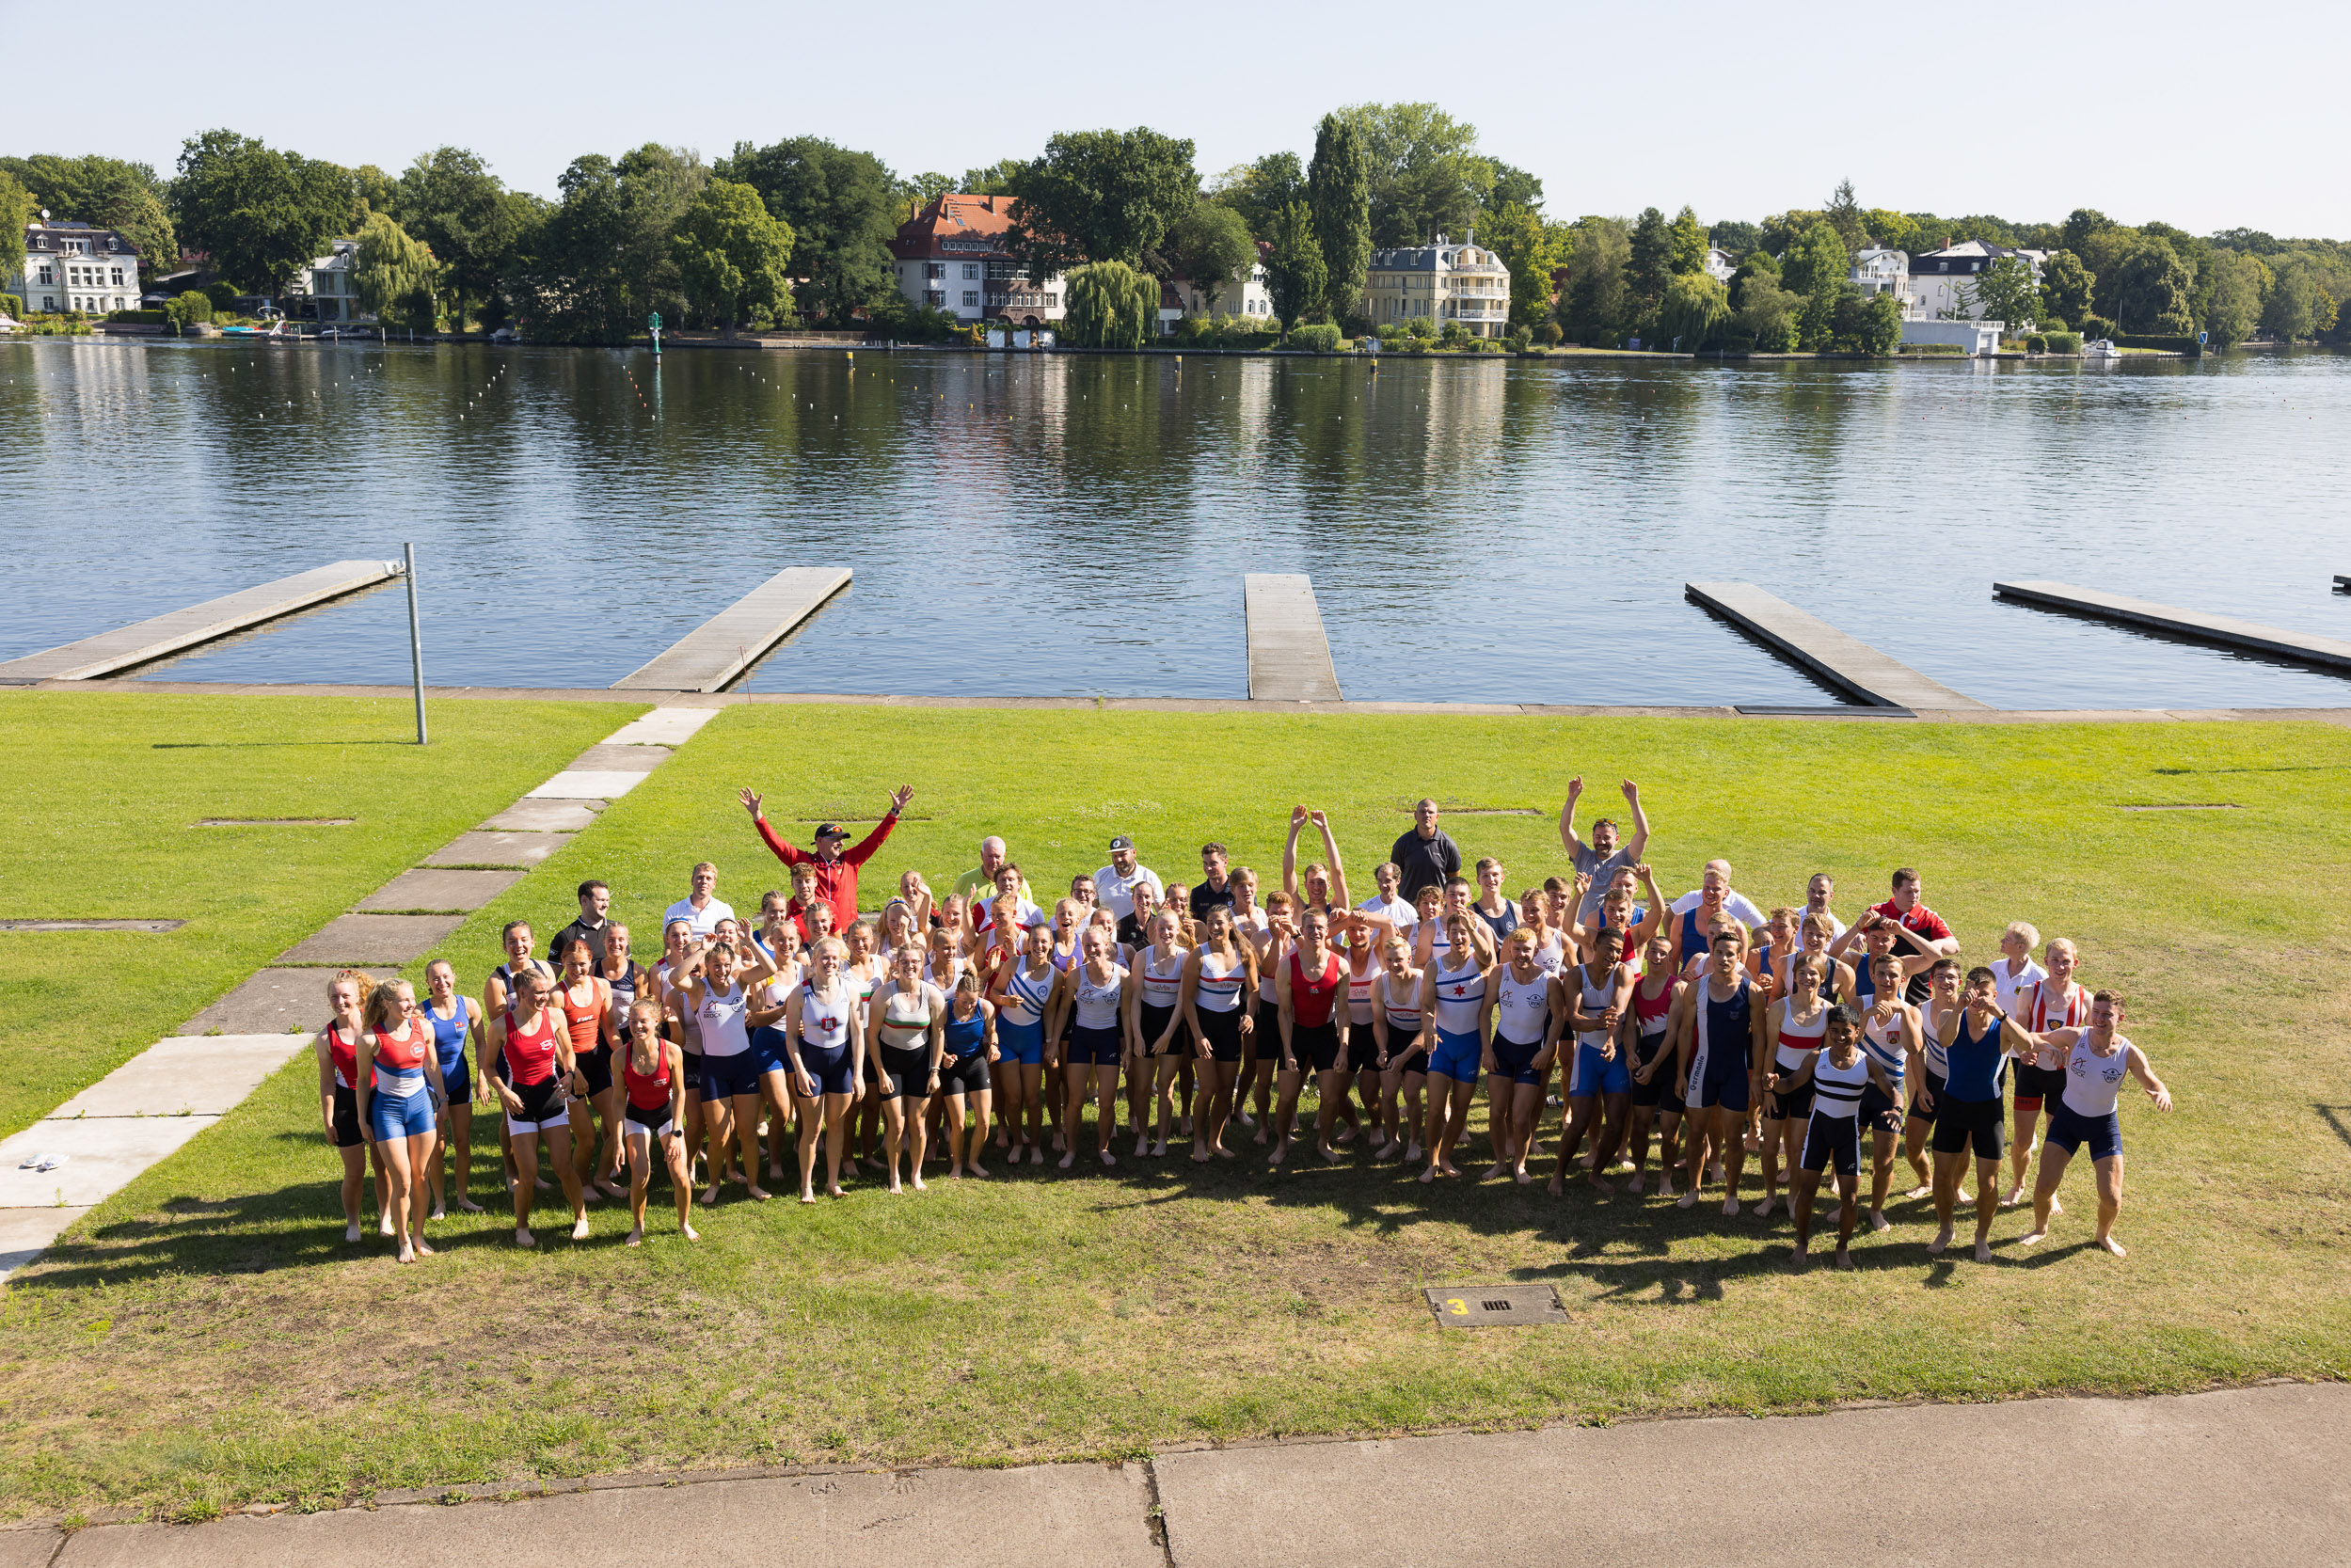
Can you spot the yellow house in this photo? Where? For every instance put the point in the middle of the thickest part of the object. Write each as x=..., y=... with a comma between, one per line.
x=1445, y=282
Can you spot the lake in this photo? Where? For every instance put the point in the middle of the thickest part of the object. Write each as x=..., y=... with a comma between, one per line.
x=1480, y=531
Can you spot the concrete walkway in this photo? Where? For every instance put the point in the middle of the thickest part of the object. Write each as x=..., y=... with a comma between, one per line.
x=2251, y=1476
x=146, y=1109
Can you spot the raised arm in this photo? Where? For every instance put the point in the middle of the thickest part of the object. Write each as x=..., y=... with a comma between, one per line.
x=862, y=851
x=1567, y=839
x=1289, y=852
x=790, y=854
x=1337, y=870
x=1640, y=839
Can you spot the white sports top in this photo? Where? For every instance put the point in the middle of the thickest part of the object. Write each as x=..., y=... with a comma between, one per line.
x=1024, y=997
x=2094, y=1082
x=1882, y=1039
x=1218, y=990
x=1798, y=1040
x=1097, y=1005
x=1460, y=996
x=1835, y=1090
x=1596, y=999
x=1521, y=1008
x=824, y=1020
x=1938, y=1060
x=1359, y=992
x=1162, y=982
x=720, y=1019
x=908, y=1013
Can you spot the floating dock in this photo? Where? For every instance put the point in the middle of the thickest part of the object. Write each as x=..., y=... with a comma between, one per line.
x=1289, y=656
x=729, y=642
x=111, y=652
x=1844, y=661
x=2327, y=653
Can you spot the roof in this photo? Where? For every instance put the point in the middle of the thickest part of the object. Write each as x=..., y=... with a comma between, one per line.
x=37, y=237
x=956, y=224
x=1973, y=256
x=1443, y=256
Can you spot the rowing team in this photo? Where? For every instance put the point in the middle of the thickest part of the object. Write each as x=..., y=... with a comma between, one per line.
x=1664, y=1025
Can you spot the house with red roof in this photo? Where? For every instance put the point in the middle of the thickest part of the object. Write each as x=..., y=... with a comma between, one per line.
x=951, y=257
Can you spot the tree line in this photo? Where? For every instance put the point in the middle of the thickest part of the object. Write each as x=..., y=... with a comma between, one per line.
x=797, y=230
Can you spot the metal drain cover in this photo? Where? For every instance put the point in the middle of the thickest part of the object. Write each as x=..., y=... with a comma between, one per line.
x=1495, y=1306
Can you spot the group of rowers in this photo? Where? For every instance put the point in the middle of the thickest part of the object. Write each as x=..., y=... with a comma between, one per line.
x=948, y=1025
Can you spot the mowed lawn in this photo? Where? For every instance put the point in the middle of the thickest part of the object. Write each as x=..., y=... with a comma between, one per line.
x=105, y=791
x=206, y=1339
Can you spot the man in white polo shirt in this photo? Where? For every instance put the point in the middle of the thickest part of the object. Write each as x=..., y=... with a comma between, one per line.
x=703, y=909
x=1114, y=883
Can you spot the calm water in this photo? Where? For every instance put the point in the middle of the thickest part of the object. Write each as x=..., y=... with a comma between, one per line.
x=1476, y=531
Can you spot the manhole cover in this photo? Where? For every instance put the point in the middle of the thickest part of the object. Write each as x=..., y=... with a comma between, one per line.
x=91, y=925
x=1494, y=1305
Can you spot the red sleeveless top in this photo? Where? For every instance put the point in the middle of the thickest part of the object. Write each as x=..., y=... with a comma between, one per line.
x=1310, y=999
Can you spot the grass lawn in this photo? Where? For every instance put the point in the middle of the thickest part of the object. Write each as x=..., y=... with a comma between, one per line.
x=206, y=1339
x=105, y=789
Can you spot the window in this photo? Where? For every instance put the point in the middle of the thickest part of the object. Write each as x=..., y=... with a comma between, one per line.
x=934, y=297
x=49, y=302
x=1053, y=302
x=971, y=272
x=971, y=297
x=118, y=277
x=935, y=269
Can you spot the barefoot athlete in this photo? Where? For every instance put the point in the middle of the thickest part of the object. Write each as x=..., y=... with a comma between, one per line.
x=1403, y=1047
x=1793, y=1029
x=1654, y=1097
x=533, y=1051
x=1720, y=1029
x=456, y=1022
x=1310, y=991
x=1892, y=1034
x=967, y=1036
x=1093, y=993
x=653, y=1081
x=2053, y=1000
x=1020, y=994
x=824, y=1034
x=715, y=983
x=1832, y=1080
x=1600, y=994
x=1522, y=1032
x=907, y=1014
x=2096, y=1057
x=1454, y=1018
x=397, y=1094
x=1977, y=1041
x=1218, y=977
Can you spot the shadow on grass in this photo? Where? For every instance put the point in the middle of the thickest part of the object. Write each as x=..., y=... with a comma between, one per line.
x=2334, y=1117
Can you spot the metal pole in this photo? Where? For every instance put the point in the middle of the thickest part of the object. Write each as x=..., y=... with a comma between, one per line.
x=416, y=637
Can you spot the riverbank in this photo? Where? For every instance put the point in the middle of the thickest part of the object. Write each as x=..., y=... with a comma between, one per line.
x=1057, y=1316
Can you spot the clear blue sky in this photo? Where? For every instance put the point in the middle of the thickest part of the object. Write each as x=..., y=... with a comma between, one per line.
x=2023, y=110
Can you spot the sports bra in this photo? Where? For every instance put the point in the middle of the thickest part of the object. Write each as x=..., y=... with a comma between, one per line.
x=1795, y=1041
x=530, y=1053
x=1460, y=997
x=824, y=1022
x=1218, y=990
x=1097, y=1005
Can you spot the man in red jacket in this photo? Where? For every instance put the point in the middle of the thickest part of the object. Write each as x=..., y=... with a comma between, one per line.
x=835, y=867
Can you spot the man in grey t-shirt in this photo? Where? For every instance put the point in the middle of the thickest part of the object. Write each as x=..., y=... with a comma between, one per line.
x=1601, y=859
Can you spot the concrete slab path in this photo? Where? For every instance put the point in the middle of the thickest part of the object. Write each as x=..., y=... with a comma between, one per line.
x=599, y=784
x=2251, y=1476
x=524, y=849
x=151, y=1107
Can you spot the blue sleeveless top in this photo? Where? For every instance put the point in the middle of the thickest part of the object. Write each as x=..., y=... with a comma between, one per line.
x=1976, y=1063
x=965, y=1037
x=449, y=1033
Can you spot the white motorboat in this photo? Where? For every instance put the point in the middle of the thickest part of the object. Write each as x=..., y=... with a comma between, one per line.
x=2101, y=348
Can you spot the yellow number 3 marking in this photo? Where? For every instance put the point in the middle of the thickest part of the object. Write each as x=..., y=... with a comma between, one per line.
x=1457, y=1307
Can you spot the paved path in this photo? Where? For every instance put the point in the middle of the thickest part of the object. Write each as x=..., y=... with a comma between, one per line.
x=147, y=1109
x=2249, y=1476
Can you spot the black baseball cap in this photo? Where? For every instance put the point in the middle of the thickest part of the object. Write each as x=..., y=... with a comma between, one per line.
x=1122, y=842
x=830, y=829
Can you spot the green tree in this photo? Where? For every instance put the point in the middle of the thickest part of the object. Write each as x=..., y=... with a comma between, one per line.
x=1110, y=305
x=1781, y=230
x=1262, y=192
x=1818, y=270
x=1211, y=249
x=1649, y=262
x=1426, y=173
x=733, y=257
x=1513, y=187
x=451, y=200
x=1592, y=307
x=394, y=274
x=656, y=184
x=2005, y=291
x=1735, y=238
x=1100, y=196
x=17, y=209
x=1892, y=229
x=2066, y=286
x=261, y=215
x=2151, y=291
x=926, y=188
x=2298, y=307
x=106, y=192
x=1694, y=309
x=2080, y=224
x=1755, y=263
x=1339, y=193
x=1685, y=244
x=601, y=260
x=841, y=209
x=376, y=191
x=1844, y=215
x=1294, y=271
x=2239, y=284
x=1769, y=315
x=1881, y=329
x=992, y=178
x=1533, y=251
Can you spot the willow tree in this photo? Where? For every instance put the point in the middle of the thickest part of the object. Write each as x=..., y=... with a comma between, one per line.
x=394, y=274
x=1110, y=305
x=1694, y=309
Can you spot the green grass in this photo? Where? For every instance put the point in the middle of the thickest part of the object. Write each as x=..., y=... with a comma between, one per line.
x=106, y=790
x=205, y=1339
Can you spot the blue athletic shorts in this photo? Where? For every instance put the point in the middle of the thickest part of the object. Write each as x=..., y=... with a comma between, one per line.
x=1515, y=1059
x=392, y=1115
x=767, y=1050
x=1726, y=1085
x=1093, y=1047
x=2069, y=1130
x=727, y=1077
x=1455, y=1056
x=1023, y=1043
x=453, y=1074
x=830, y=1068
x=1595, y=1075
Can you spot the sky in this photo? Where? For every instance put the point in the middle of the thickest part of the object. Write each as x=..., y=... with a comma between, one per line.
x=2024, y=111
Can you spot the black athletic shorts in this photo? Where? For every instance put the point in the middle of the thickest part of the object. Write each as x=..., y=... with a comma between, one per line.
x=1155, y=1022
x=2039, y=1082
x=1962, y=1123
x=909, y=1067
x=965, y=1074
x=1787, y=1104
x=1223, y=1031
x=347, y=1134
x=1878, y=1112
x=1934, y=1092
x=597, y=1068
x=1362, y=1048
x=1314, y=1046
x=1833, y=1140
x=1658, y=1093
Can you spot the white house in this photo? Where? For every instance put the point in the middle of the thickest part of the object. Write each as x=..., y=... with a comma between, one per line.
x=72, y=266
x=951, y=257
x=1939, y=279
x=1444, y=282
x=1247, y=298
x=324, y=288
x=1718, y=264
x=1973, y=337
x=1881, y=271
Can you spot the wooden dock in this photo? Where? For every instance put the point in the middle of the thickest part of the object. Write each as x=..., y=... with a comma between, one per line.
x=112, y=652
x=1289, y=656
x=2327, y=653
x=1844, y=661
x=729, y=642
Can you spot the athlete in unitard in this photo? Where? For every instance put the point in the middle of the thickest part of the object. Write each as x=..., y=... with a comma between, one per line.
x=907, y=1015
x=1155, y=1021
x=1311, y=993
x=1720, y=1035
x=967, y=1044
x=824, y=1024
x=1892, y=1034
x=1093, y=994
x=2052, y=999
x=653, y=1087
x=456, y=1022
x=1021, y=992
x=1402, y=1049
x=1794, y=1027
x=2096, y=1057
x=1599, y=997
x=1649, y=1040
x=1977, y=1041
x=533, y=1049
x=716, y=983
x=1219, y=977
x=1833, y=1080
x=1454, y=1018
x=586, y=1003
x=399, y=1092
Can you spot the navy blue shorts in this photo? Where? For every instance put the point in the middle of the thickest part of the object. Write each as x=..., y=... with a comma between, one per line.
x=1515, y=1059
x=1596, y=1074
x=2069, y=1130
x=730, y=1077
x=1093, y=1047
x=767, y=1049
x=830, y=1068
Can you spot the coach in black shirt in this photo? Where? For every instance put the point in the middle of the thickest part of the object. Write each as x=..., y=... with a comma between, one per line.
x=1426, y=855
